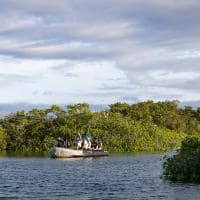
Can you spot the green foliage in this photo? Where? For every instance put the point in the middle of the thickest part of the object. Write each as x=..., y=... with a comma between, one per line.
x=3, y=136
x=146, y=126
x=185, y=165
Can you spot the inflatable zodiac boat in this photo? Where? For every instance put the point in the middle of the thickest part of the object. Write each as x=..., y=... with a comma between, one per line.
x=60, y=152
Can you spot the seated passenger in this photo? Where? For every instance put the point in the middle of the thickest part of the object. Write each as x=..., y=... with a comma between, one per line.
x=85, y=144
x=89, y=143
x=65, y=143
x=79, y=144
x=60, y=142
x=95, y=145
x=100, y=145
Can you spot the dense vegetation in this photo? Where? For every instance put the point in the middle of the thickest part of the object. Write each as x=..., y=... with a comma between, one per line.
x=185, y=165
x=146, y=126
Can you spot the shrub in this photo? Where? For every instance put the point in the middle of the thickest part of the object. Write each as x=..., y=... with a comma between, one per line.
x=185, y=165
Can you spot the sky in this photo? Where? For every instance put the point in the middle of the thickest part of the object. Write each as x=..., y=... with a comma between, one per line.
x=100, y=52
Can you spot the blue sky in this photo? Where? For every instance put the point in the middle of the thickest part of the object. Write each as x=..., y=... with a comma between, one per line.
x=99, y=52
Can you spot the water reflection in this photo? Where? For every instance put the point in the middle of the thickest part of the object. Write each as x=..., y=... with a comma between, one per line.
x=17, y=154
x=73, y=159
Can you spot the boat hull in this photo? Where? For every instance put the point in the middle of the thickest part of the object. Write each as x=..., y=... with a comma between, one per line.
x=59, y=152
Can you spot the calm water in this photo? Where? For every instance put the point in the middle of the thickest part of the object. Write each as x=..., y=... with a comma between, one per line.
x=114, y=177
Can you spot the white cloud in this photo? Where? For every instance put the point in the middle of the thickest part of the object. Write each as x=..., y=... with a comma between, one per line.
x=69, y=51
x=41, y=81
x=19, y=22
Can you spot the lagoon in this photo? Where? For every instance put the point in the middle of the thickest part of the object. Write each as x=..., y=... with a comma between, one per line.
x=122, y=176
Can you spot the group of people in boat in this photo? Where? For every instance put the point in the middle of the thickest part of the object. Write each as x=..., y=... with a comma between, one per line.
x=84, y=142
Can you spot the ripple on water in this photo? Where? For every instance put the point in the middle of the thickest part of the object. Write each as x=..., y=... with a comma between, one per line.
x=114, y=177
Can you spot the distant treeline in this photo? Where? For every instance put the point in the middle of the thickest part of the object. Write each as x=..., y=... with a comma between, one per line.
x=145, y=126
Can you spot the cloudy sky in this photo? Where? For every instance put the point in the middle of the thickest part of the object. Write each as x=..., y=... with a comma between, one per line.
x=99, y=52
